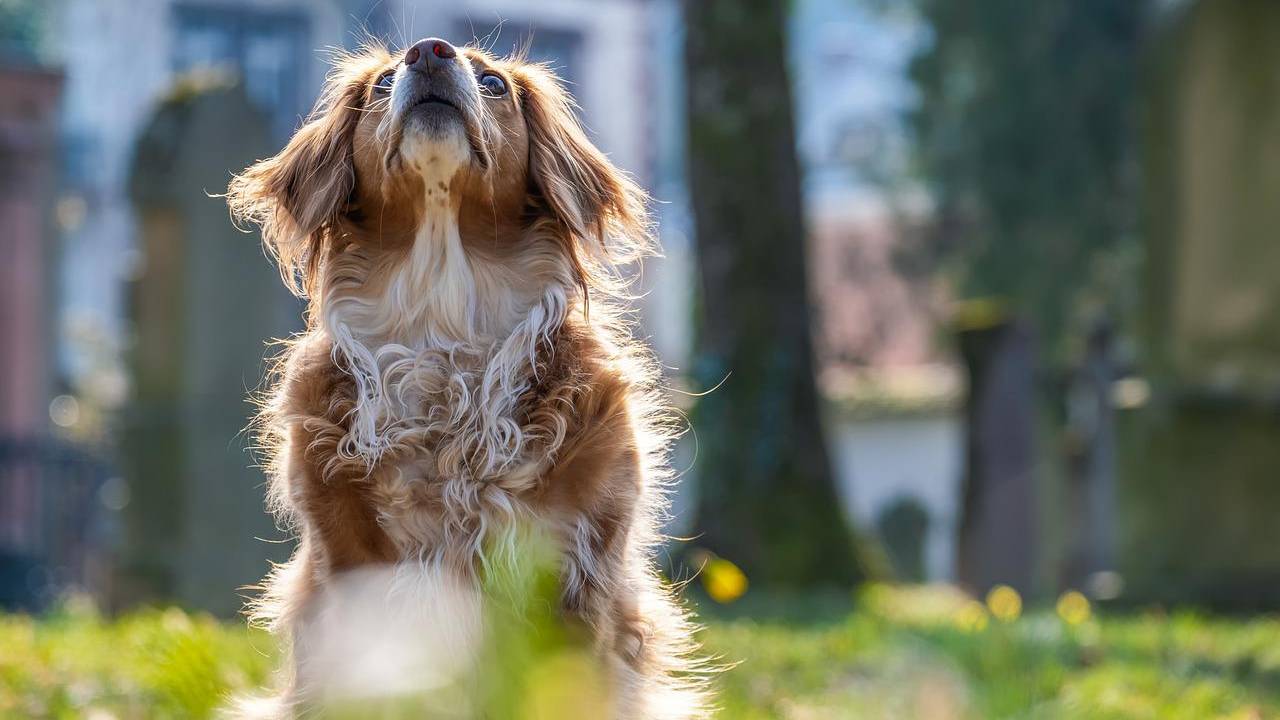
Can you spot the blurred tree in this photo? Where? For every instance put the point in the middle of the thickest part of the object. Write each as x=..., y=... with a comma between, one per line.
x=1025, y=130
x=767, y=493
x=1025, y=133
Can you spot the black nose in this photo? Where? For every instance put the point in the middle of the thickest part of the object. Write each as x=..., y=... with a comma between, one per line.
x=425, y=53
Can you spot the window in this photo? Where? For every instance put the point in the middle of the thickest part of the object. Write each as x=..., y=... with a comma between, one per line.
x=267, y=48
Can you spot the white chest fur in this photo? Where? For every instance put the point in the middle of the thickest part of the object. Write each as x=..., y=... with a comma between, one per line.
x=443, y=354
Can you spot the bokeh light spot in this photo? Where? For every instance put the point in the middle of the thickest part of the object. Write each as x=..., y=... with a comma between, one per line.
x=723, y=581
x=64, y=411
x=1005, y=603
x=1073, y=607
x=971, y=617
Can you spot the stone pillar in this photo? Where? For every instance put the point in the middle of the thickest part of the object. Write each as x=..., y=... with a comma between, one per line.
x=205, y=306
x=28, y=163
x=999, y=528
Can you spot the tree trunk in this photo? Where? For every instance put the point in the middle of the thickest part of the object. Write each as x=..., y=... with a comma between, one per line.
x=767, y=497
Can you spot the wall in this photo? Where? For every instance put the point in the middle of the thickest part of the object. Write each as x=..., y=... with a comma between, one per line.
x=881, y=460
x=1198, y=490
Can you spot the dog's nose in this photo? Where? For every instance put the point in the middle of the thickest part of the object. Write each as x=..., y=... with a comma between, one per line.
x=425, y=53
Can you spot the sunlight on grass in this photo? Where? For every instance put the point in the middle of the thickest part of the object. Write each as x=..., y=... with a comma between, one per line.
x=154, y=663
x=934, y=653
x=894, y=652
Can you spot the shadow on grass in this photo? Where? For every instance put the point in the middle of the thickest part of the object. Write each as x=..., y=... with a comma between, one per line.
x=806, y=610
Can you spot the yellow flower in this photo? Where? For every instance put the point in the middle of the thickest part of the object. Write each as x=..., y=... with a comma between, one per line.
x=1073, y=608
x=723, y=581
x=971, y=617
x=1005, y=603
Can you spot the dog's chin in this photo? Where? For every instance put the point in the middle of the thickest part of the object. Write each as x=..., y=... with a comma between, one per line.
x=435, y=135
x=433, y=141
x=435, y=120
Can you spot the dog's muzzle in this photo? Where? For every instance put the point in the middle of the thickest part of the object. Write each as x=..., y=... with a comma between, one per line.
x=436, y=95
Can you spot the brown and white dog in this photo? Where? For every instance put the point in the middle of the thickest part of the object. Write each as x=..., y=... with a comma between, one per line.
x=449, y=221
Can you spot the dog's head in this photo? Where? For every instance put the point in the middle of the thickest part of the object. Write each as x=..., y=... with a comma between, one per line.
x=440, y=129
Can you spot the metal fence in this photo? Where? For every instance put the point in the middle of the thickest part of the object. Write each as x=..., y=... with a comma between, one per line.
x=54, y=519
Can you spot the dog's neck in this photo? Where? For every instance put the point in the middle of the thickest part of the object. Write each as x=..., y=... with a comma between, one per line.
x=431, y=296
x=440, y=325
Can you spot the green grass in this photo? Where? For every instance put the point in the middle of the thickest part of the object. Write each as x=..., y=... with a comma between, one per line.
x=899, y=653
x=929, y=653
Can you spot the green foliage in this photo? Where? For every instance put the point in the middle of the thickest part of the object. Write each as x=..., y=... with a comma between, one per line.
x=535, y=665
x=1025, y=130
x=151, y=664
x=897, y=652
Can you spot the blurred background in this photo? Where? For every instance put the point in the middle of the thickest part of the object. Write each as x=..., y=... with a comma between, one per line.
x=988, y=290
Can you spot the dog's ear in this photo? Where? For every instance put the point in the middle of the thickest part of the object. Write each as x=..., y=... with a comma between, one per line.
x=600, y=212
x=296, y=196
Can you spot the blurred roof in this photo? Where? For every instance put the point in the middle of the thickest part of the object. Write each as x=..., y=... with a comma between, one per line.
x=877, y=338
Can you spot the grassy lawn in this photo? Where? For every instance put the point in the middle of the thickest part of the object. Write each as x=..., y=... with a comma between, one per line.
x=900, y=653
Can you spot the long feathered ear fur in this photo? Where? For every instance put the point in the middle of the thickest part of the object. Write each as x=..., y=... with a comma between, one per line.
x=599, y=212
x=297, y=196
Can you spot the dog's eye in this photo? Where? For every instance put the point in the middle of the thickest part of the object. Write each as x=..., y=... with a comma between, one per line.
x=385, y=81
x=493, y=85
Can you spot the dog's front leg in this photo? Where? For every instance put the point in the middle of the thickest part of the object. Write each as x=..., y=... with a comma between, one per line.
x=313, y=483
x=322, y=496
x=597, y=488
